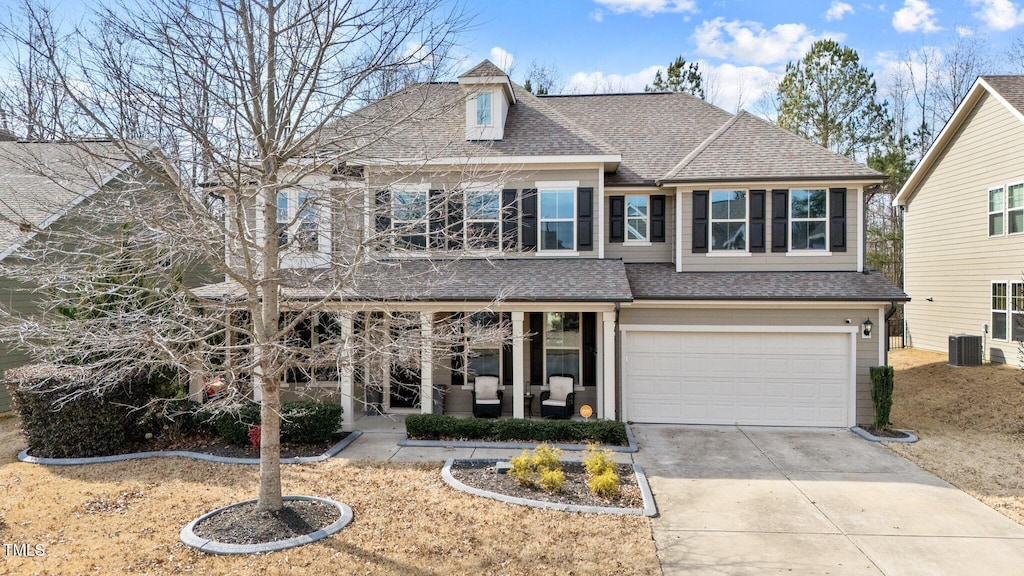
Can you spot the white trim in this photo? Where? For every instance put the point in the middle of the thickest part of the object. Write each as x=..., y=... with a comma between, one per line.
x=640, y=243
x=518, y=361
x=755, y=304
x=572, y=187
x=427, y=363
x=827, y=219
x=600, y=213
x=1006, y=310
x=555, y=253
x=861, y=224
x=941, y=141
x=608, y=369
x=476, y=102
x=800, y=253
x=1002, y=211
x=499, y=160
x=728, y=254
x=1006, y=207
x=746, y=222
x=678, y=230
x=645, y=241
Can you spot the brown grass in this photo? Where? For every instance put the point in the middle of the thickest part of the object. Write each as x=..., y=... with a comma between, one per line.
x=124, y=518
x=970, y=421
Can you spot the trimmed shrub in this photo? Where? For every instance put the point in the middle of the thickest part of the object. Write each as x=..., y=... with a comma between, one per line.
x=881, y=394
x=598, y=462
x=309, y=422
x=541, y=466
x=437, y=427
x=604, y=485
x=552, y=481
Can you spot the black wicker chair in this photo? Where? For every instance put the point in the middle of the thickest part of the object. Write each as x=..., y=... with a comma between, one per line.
x=552, y=404
x=487, y=399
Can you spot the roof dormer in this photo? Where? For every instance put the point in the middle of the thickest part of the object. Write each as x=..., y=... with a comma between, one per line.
x=488, y=97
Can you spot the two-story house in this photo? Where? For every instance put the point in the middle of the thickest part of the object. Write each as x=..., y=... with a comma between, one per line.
x=680, y=263
x=964, y=226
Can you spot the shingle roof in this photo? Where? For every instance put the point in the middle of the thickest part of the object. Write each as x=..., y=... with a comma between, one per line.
x=1011, y=88
x=40, y=180
x=485, y=69
x=652, y=131
x=749, y=148
x=465, y=280
x=662, y=282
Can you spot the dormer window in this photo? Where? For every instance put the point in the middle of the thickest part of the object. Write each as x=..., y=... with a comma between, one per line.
x=483, y=109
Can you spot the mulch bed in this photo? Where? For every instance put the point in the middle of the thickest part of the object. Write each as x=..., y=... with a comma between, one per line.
x=885, y=432
x=216, y=446
x=246, y=525
x=482, y=475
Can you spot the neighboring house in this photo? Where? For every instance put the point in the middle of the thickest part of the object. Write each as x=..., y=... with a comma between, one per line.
x=44, y=187
x=682, y=264
x=964, y=226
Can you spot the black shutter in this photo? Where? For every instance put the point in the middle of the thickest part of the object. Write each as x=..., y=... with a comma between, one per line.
x=458, y=351
x=506, y=353
x=589, y=326
x=509, y=219
x=537, y=348
x=837, y=219
x=455, y=219
x=584, y=219
x=382, y=210
x=658, y=218
x=700, y=221
x=780, y=220
x=529, y=219
x=616, y=219
x=436, y=211
x=757, y=221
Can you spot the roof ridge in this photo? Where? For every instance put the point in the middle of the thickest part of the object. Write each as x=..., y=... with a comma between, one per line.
x=704, y=145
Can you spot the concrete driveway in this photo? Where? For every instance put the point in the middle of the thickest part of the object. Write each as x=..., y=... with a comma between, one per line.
x=797, y=501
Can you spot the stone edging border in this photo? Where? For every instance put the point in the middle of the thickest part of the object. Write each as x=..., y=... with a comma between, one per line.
x=649, y=509
x=188, y=536
x=331, y=452
x=629, y=448
x=872, y=438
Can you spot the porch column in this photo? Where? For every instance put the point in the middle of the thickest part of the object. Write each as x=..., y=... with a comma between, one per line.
x=608, y=349
x=518, y=360
x=348, y=401
x=426, y=362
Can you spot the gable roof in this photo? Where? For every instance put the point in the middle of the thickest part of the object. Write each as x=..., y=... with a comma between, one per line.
x=485, y=69
x=749, y=148
x=40, y=182
x=1007, y=90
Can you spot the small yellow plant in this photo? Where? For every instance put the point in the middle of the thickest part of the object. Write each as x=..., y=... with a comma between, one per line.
x=552, y=480
x=602, y=479
x=530, y=466
x=605, y=485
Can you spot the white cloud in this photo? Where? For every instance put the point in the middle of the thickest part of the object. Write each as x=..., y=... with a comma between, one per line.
x=964, y=31
x=999, y=14
x=502, y=58
x=648, y=7
x=838, y=10
x=597, y=15
x=915, y=16
x=751, y=43
x=600, y=83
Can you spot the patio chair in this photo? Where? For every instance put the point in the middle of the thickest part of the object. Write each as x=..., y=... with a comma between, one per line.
x=559, y=400
x=486, y=397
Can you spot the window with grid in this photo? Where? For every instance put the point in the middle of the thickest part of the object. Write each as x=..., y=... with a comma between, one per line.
x=999, y=310
x=636, y=218
x=728, y=220
x=809, y=217
x=558, y=219
x=1017, y=310
x=995, y=212
x=483, y=220
x=562, y=343
x=409, y=219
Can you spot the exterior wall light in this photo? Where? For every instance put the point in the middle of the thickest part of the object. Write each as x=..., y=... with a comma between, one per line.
x=867, y=326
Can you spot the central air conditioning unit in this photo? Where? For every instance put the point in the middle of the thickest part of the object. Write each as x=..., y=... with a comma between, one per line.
x=964, y=350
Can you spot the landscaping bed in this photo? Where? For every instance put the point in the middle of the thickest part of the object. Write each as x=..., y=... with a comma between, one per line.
x=482, y=475
x=216, y=446
x=245, y=524
x=435, y=427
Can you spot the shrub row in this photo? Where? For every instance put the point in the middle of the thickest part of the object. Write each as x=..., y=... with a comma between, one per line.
x=302, y=422
x=438, y=427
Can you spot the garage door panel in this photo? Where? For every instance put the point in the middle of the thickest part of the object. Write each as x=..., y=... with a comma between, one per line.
x=770, y=378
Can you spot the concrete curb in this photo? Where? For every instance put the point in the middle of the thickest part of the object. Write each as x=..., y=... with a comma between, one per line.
x=631, y=447
x=872, y=438
x=188, y=535
x=333, y=451
x=649, y=509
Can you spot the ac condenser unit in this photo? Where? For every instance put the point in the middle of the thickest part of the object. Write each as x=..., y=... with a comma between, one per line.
x=964, y=350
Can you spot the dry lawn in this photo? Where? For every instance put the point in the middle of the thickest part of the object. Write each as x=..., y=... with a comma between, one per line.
x=124, y=518
x=970, y=421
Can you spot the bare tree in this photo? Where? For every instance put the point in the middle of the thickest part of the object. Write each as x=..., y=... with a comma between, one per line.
x=1015, y=55
x=543, y=79
x=963, y=60
x=262, y=105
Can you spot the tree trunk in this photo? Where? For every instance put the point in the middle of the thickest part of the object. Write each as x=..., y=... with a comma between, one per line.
x=270, y=448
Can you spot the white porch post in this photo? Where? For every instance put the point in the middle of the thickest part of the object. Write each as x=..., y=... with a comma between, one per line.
x=679, y=230
x=518, y=359
x=608, y=349
x=348, y=403
x=426, y=362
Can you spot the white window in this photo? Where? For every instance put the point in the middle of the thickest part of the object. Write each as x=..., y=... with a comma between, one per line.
x=1017, y=310
x=558, y=219
x=282, y=218
x=809, y=219
x=995, y=211
x=1015, y=208
x=409, y=219
x=298, y=220
x=483, y=333
x=483, y=109
x=999, y=310
x=483, y=220
x=562, y=344
x=728, y=220
x=637, y=218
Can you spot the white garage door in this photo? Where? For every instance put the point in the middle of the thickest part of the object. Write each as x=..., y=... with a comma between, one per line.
x=770, y=378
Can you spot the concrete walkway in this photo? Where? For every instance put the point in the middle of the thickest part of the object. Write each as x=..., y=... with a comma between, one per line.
x=768, y=500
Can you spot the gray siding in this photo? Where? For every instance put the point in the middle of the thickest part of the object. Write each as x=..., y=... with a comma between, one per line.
x=657, y=251
x=866, y=349
x=950, y=259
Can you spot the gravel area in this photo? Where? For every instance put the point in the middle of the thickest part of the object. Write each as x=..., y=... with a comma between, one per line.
x=482, y=475
x=244, y=524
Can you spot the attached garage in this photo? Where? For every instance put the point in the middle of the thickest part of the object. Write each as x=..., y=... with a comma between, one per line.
x=771, y=376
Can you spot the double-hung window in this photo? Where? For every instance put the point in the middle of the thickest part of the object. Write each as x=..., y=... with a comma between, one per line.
x=409, y=219
x=996, y=207
x=557, y=218
x=1015, y=208
x=1006, y=209
x=562, y=343
x=728, y=220
x=282, y=218
x=999, y=331
x=483, y=220
x=1017, y=310
x=637, y=218
x=483, y=344
x=809, y=219
x=483, y=109
x=298, y=220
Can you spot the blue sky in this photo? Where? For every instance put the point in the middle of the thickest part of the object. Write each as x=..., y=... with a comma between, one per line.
x=617, y=44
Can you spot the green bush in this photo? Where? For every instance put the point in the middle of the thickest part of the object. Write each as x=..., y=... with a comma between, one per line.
x=437, y=427
x=233, y=425
x=881, y=394
x=598, y=462
x=541, y=466
x=604, y=485
x=90, y=425
x=309, y=422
